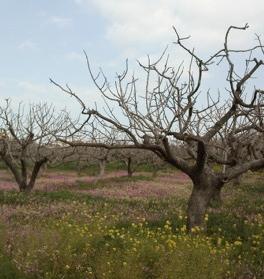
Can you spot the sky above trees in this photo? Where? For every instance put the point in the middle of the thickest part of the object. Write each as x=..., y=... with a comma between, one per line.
x=46, y=38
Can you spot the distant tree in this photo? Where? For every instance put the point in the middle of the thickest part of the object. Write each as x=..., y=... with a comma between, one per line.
x=134, y=158
x=82, y=155
x=26, y=140
x=87, y=156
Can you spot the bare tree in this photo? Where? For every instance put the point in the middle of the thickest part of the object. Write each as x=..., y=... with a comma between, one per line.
x=134, y=158
x=87, y=156
x=26, y=140
x=170, y=114
x=93, y=154
x=237, y=142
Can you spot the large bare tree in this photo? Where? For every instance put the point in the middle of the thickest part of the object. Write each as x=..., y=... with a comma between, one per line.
x=172, y=109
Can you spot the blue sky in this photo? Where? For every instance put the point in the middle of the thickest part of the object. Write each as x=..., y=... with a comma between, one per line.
x=45, y=38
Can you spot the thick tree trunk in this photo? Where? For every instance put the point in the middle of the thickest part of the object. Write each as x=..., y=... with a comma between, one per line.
x=205, y=187
x=21, y=176
x=24, y=185
x=25, y=188
x=35, y=172
x=197, y=207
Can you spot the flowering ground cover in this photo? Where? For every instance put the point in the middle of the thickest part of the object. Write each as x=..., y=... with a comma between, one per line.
x=123, y=227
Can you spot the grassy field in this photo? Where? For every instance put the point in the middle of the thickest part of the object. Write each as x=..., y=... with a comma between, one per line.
x=90, y=230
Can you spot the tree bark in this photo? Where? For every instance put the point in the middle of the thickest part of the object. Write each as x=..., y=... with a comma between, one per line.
x=237, y=180
x=216, y=200
x=23, y=187
x=35, y=172
x=129, y=167
x=205, y=187
x=197, y=207
x=102, y=164
x=22, y=181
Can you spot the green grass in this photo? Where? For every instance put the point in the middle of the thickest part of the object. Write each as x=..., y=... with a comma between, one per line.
x=113, y=182
x=2, y=165
x=67, y=234
x=257, y=187
x=13, y=198
x=8, y=269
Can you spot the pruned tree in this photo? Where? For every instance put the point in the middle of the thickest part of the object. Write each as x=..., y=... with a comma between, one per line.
x=26, y=140
x=242, y=143
x=134, y=158
x=174, y=111
x=58, y=155
x=87, y=156
x=93, y=153
x=237, y=142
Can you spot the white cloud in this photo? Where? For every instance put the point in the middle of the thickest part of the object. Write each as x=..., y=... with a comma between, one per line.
x=78, y=1
x=28, y=91
x=27, y=44
x=142, y=23
x=31, y=87
x=75, y=56
x=60, y=22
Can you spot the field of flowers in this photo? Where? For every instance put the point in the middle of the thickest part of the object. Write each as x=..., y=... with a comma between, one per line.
x=130, y=228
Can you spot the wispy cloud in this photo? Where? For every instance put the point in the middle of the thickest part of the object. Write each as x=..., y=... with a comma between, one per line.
x=32, y=87
x=60, y=22
x=27, y=44
x=75, y=56
x=34, y=92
